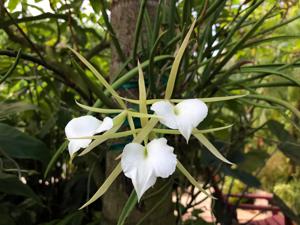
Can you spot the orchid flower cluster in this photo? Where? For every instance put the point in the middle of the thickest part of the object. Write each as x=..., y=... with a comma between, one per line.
x=143, y=164
x=147, y=156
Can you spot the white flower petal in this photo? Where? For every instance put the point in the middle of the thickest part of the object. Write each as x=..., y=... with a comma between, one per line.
x=136, y=167
x=165, y=110
x=143, y=165
x=132, y=156
x=143, y=180
x=161, y=157
x=76, y=144
x=184, y=127
x=190, y=113
x=84, y=126
x=105, y=125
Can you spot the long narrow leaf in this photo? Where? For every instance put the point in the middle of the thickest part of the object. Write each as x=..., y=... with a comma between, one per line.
x=155, y=130
x=270, y=39
x=146, y=130
x=239, y=43
x=129, y=205
x=203, y=140
x=193, y=181
x=212, y=99
x=142, y=115
x=12, y=68
x=276, y=101
x=270, y=71
x=131, y=124
x=99, y=110
x=100, y=78
x=195, y=131
x=55, y=157
x=107, y=183
x=142, y=95
x=176, y=63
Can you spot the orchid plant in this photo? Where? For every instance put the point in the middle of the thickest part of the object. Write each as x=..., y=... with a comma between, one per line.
x=148, y=156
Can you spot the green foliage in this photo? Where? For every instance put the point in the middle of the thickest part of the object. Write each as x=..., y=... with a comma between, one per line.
x=237, y=47
x=289, y=193
x=20, y=145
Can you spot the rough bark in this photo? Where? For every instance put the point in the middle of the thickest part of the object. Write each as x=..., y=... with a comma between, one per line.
x=124, y=15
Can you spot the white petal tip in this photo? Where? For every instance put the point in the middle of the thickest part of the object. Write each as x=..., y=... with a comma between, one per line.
x=107, y=124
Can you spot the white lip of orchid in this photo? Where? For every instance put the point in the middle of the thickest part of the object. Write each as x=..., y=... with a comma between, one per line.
x=84, y=126
x=144, y=164
x=185, y=116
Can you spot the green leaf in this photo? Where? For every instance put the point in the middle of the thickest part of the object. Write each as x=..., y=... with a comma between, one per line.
x=146, y=130
x=96, y=5
x=195, y=131
x=212, y=99
x=291, y=150
x=253, y=160
x=285, y=209
x=14, y=107
x=203, y=140
x=13, y=67
x=270, y=39
x=142, y=95
x=160, y=131
x=12, y=4
x=11, y=185
x=72, y=219
x=131, y=124
x=270, y=71
x=241, y=41
x=129, y=205
x=142, y=115
x=244, y=177
x=276, y=101
x=107, y=183
x=20, y=145
x=278, y=130
x=55, y=157
x=176, y=63
x=132, y=73
x=191, y=178
x=100, y=78
x=99, y=110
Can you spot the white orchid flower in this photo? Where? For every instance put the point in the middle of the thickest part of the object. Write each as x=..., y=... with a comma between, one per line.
x=84, y=126
x=144, y=164
x=184, y=116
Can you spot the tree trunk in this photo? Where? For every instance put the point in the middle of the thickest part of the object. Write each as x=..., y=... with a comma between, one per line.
x=124, y=15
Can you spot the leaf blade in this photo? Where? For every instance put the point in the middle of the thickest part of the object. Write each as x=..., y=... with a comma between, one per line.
x=176, y=63
x=203, y=140
x=191, y=179
x=104, y=187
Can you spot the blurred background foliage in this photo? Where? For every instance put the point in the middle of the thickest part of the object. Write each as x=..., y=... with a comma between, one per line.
x=238, y=46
